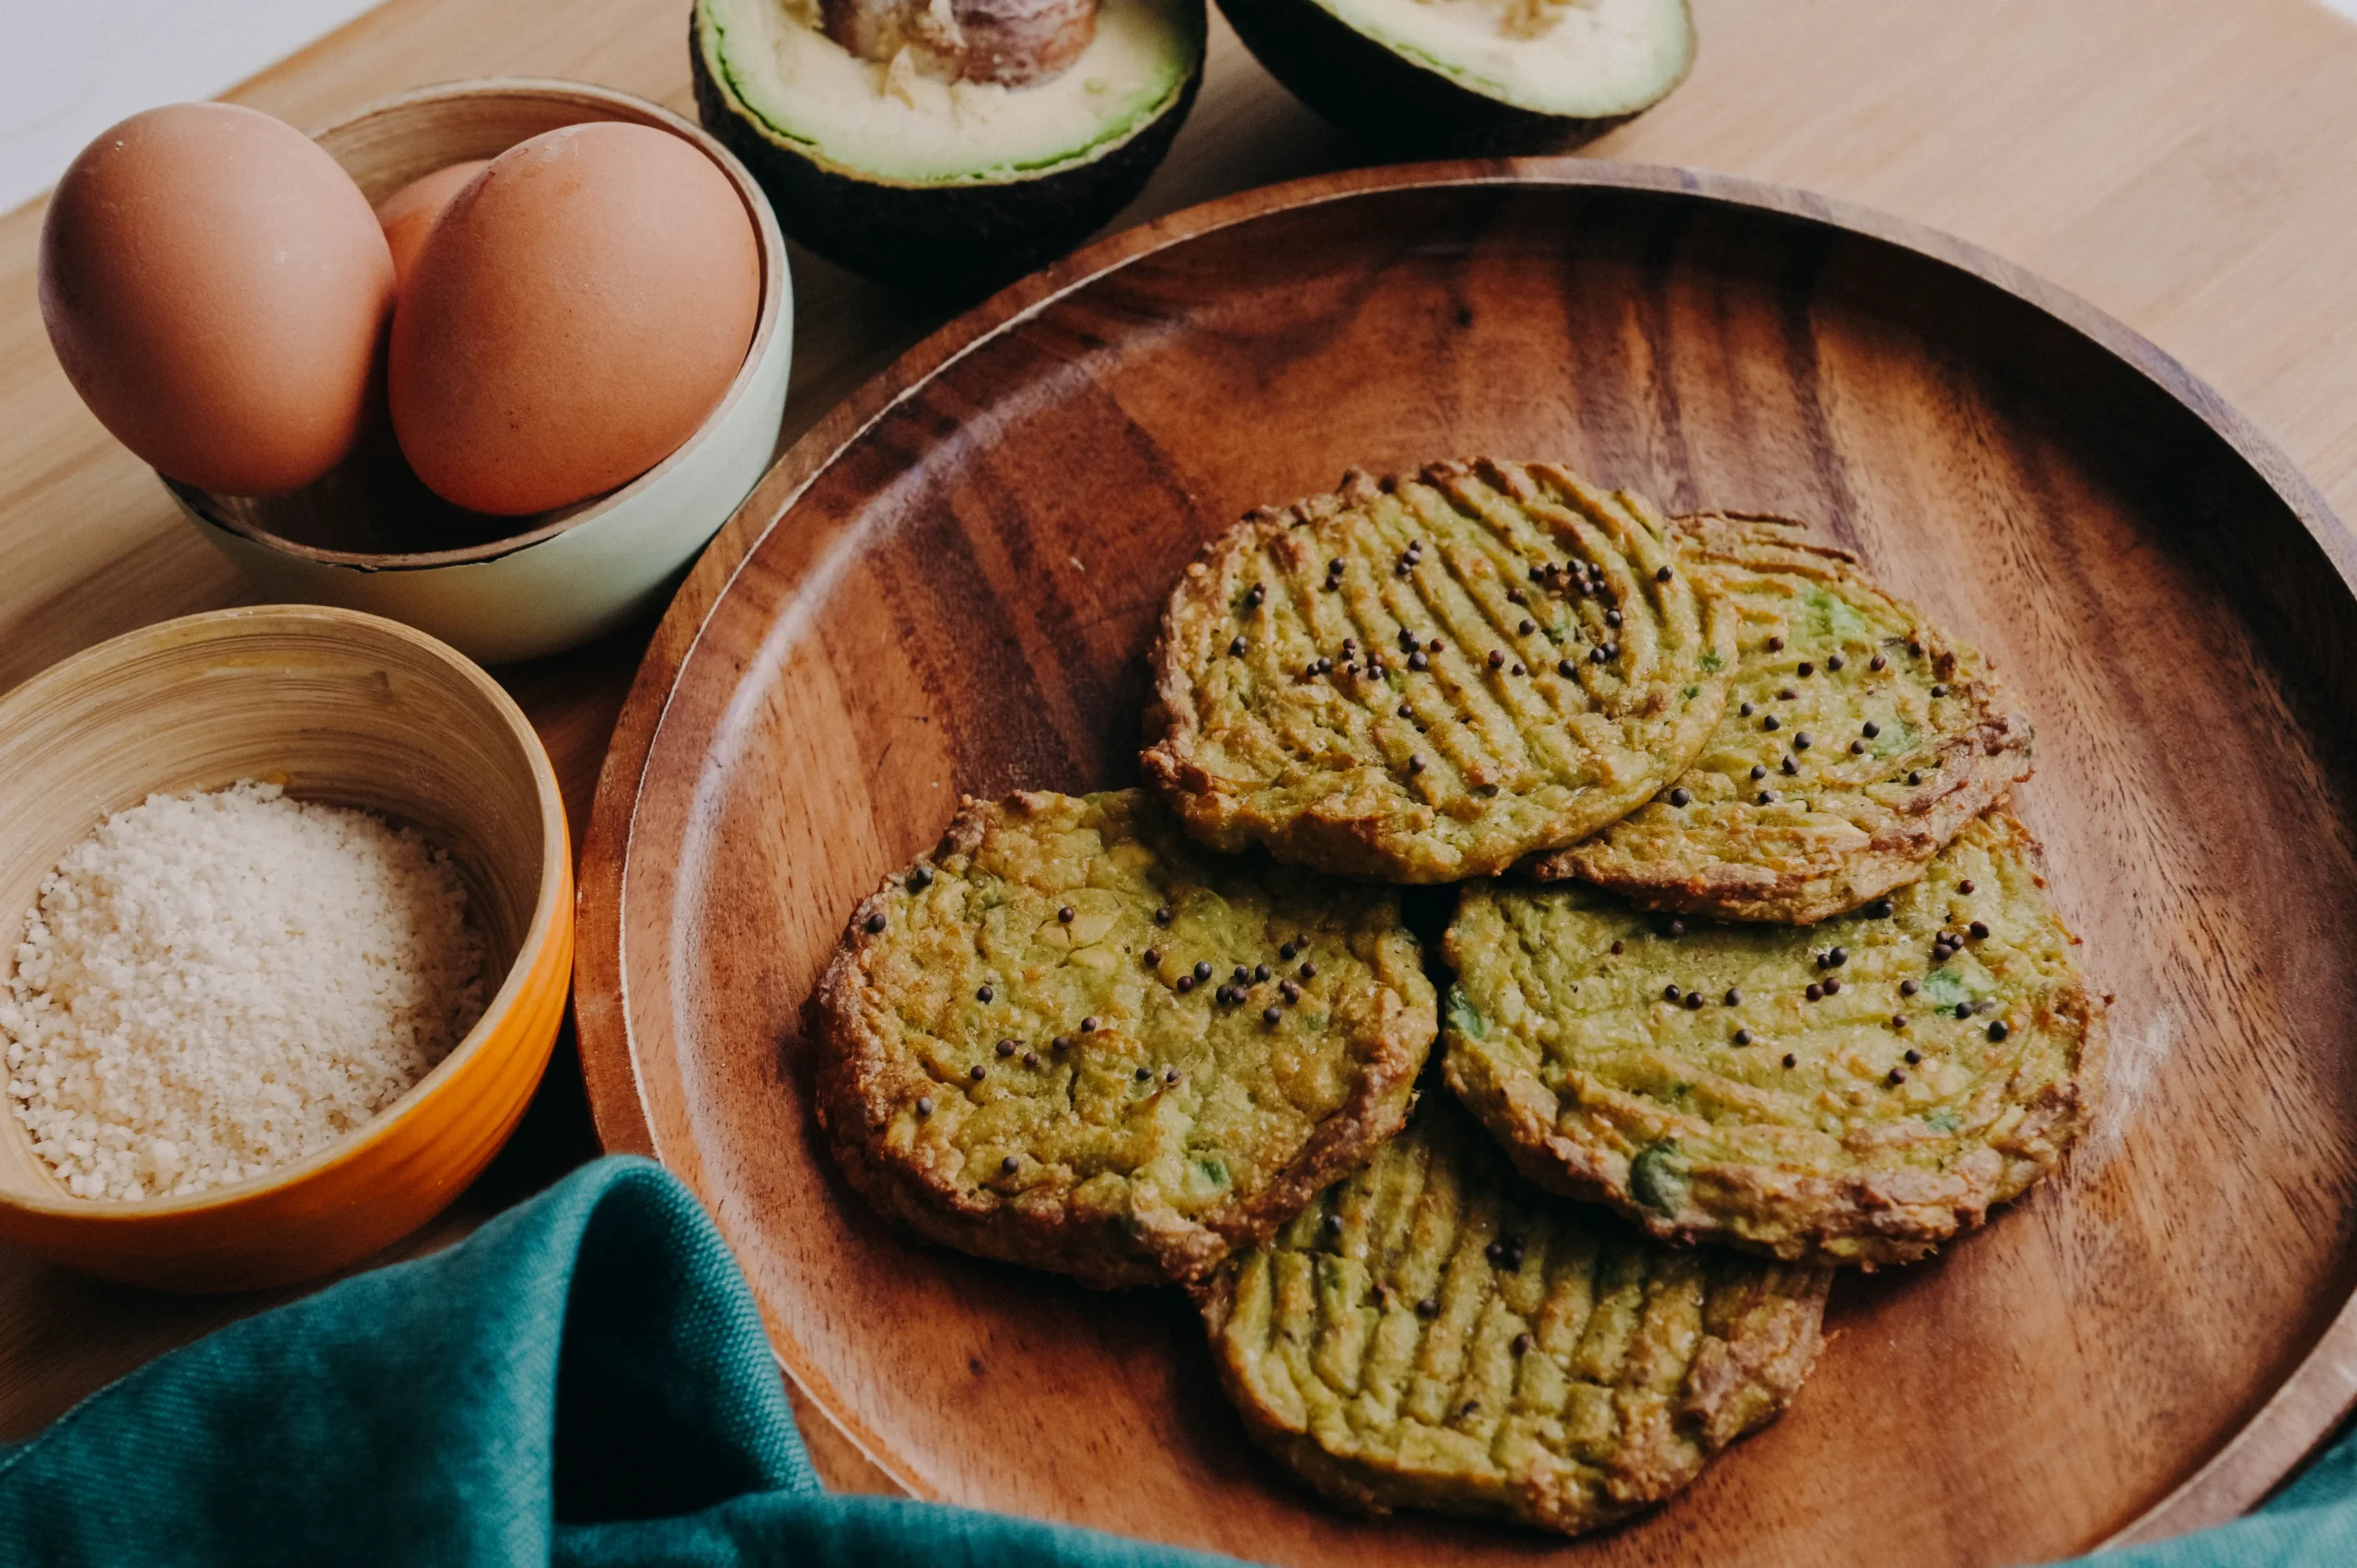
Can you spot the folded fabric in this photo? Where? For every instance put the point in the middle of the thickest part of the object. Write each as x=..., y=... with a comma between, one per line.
x=2310, y=1524
x=585, y=1381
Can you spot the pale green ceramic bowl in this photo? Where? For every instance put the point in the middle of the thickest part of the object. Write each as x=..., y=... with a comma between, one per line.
x=501, y=589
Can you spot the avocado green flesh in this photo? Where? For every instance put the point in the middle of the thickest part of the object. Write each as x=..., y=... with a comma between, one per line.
x=1594, y=60
x=1655, y=1178
x=886, y=124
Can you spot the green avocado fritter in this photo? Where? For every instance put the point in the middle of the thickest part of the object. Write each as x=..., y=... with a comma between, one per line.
x=1436, y=1332
x=1429, y=678
x=1852, y=1092
x=1856, y=742
x=1069, y=1039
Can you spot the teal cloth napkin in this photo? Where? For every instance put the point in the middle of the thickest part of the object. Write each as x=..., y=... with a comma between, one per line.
x=585, y=1381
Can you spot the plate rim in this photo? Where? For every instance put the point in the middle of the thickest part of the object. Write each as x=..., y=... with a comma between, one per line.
x=2287, y=1427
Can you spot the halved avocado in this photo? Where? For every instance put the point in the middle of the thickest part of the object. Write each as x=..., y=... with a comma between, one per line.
x=951, y=186
x=1427, y=77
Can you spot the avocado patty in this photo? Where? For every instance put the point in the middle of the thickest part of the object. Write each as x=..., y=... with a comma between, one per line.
x=1853, y=1092
x=1856, y=742
x=1424, y=679
x=1071, y=1039
x=1435, y=1332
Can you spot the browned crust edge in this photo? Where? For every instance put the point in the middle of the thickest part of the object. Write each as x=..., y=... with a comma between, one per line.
x=1975, y=770
x=1868, y=1219
x=1345, y=847
x=856, y=1086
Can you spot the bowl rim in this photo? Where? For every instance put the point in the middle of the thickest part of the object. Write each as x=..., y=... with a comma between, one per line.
x=776, y=296
x=551, y=908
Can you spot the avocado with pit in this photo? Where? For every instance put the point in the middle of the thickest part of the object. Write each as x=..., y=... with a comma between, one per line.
x=1432, y=77
x=978, y=147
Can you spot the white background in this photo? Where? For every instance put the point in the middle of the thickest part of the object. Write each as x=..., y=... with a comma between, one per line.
x=70, y=68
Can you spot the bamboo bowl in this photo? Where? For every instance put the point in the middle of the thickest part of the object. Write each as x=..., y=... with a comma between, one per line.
x=336, y=707
x=371, y=537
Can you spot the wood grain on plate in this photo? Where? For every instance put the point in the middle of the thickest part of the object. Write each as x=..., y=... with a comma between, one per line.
x=948, y=585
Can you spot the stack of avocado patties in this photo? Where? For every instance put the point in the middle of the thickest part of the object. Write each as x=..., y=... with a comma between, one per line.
x=1752, y=974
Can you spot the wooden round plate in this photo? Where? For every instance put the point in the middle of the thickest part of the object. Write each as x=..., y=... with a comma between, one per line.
x=950, y=584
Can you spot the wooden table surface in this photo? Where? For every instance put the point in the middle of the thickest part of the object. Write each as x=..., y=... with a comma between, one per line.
x=2189, y=167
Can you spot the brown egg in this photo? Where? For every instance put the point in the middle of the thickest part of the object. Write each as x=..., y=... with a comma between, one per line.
x=407, y=215
x=580, y=307
x=216, y=287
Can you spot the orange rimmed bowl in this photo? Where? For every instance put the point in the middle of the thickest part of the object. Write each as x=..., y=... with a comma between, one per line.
x=336, y=707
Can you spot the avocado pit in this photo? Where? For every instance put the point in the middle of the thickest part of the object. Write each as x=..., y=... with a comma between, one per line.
x=1012, y=43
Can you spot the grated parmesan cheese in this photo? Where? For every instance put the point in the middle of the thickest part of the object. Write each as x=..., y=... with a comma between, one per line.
x=213, y=985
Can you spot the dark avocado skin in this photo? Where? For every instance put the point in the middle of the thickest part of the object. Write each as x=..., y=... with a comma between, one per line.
x=1392, y=104
x=963, y=241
